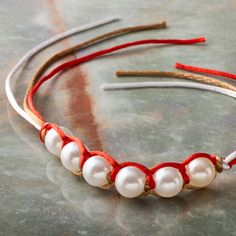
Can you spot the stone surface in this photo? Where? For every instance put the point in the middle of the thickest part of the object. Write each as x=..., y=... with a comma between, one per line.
x=39, y=197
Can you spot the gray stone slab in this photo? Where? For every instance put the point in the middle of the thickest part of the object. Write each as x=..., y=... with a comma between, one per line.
x=39, y=197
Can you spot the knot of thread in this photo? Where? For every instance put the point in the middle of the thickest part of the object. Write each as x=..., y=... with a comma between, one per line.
x=47, y=126
x=149, y=177
x=194, y=156
x=179, y=166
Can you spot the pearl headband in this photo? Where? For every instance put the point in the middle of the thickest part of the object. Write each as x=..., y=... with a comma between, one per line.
x=131, y=179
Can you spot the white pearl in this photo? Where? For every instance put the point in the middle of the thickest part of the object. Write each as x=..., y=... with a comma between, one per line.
x=130, y=182
x=70, y=157
x=201, y=172
x=53, y=141
x=169, y=181
x=95, y=171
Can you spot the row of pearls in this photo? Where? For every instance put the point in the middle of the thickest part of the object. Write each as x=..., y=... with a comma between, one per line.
x=130, y=181
x=53, y=141
x=70, y=153
x=95, y=169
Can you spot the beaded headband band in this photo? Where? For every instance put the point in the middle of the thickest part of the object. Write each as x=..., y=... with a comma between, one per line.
x=99, y=169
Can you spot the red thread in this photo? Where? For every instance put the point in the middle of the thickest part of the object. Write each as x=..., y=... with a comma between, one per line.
x=178, y=166
x=108, y=158
x=84, y=152
x=92, y=56
x=231, y=163
x=205, y=71
x=212, y=158
x=47, y=126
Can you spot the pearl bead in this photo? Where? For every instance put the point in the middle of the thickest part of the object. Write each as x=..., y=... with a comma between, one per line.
x=169, y=181
x=53, y=142
x=130, y=182
x=201, y=172
x=70, y=157
x=95, y=171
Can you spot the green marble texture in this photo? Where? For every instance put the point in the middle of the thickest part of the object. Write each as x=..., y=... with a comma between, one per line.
x=39, y=197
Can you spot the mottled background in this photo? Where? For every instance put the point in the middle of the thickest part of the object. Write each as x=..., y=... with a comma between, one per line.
x=39, y=197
